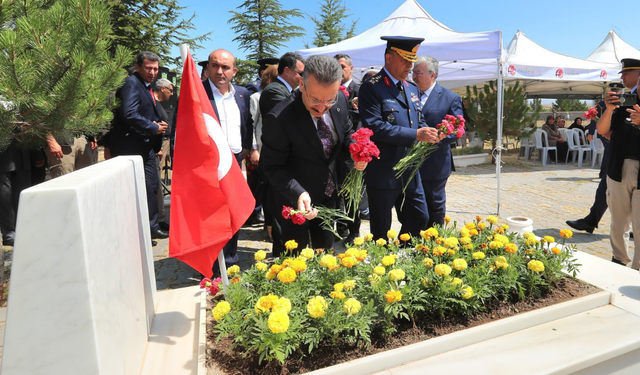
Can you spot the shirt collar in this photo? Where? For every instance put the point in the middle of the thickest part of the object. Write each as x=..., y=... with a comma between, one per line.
x=215, y=91
x=430, y=89
x=285, y=83
x=346, y=84
x=395, y=81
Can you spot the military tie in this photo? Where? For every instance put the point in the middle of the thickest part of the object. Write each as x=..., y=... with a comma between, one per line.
x=326, y=137
x=400, y=85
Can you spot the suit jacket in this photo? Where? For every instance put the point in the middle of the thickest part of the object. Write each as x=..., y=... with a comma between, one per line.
x=246, y=121
x=293, y=157
x=133, y=131
x=394, y=121
x=274, y=93
x=440, y=103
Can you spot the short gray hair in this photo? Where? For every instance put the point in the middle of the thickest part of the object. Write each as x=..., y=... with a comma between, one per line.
x=432, y=64
x=344, y=56
x=325, y=69
x=162, y=82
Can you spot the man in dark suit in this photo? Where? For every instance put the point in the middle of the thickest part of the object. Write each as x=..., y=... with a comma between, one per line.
x=231, y=104
x=302, y=138
x=390, y=107
x=137, y=126
x=15, y=176
x=437, y=102
x=263, y=64
x=290, y=69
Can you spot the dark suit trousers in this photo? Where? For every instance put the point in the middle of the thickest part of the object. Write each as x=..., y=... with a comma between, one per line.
x=411, y=209
x=11, y=184
x=230, y=250
x=600, y=203
x=152, y=183
x=436, y=197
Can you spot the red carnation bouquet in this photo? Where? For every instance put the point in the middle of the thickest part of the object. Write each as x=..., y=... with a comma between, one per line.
x=591, y=114
x=211, y=286
x=328, y=216
x=363, y=149
x=344, y=90
x=420, y=151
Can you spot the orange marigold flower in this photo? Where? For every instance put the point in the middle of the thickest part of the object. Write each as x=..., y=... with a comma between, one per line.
x=470, y=226
x=566, y=233
x=438, y=250
x=276, y=268
x=349, y=261
x=556, y=250
x=478, y=218
x=473, y=232
x=405, y=237
x=510, y=248
x=393, y=296
x=447, y=219
x=236, y=279
x=481, y=226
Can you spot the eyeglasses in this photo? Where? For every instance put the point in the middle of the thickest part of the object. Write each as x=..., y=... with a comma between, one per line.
x=299, y=73
x=326, y=103
x=170, y=89
x=420, y=72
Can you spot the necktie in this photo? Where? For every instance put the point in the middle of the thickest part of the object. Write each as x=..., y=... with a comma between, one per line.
x=327, y=144
x=400, y=85
x=152, y=97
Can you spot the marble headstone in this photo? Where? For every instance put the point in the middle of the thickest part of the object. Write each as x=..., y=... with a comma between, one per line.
x=82, y=292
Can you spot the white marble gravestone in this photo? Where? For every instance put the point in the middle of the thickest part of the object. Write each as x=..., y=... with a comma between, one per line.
x=82, y=293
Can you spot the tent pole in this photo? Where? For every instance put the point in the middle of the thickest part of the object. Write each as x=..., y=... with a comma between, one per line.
x=498, y=150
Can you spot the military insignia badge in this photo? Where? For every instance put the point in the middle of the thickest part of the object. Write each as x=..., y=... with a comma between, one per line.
x=391, y=118
x=387, y=81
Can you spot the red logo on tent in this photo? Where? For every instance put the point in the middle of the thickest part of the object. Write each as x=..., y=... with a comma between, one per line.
x=603, y=74
x=559, y=73
x=512, y=70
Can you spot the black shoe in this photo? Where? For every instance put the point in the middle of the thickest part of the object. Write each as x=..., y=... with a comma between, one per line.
x=159, y=234
x=154, y=243
x=580, y=224
x=350, y=238
x=614, y=260
x=164, y=226
x=257, y=217
x=7, y=242
x=364, y=215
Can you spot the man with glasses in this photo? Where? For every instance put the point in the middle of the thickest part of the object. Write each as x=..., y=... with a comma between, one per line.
x=290, y=68
x=302, y=138
x=437, y=102
x=390, y=106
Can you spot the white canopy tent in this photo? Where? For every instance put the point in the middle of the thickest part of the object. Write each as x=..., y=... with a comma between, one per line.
x=548, y=74
x=465, y=58
x=613, y=49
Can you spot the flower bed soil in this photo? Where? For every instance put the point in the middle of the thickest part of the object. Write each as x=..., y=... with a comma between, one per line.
x=221, y=360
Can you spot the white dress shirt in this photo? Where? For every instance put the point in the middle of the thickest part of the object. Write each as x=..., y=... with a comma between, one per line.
x=229, y=114
x=425, y=95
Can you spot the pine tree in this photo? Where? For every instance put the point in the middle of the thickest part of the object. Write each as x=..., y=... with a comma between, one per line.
x=481, y=110
x=57, y=73
x=568, y=105
x=152, y=25
x=330, y=28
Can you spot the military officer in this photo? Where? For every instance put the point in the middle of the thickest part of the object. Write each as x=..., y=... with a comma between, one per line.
x=263, y=64
x=390, y=106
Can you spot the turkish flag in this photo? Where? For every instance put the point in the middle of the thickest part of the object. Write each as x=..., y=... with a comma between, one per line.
x=210, y=198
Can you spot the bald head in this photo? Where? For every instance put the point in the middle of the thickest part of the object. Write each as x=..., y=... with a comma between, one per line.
x=222, y=69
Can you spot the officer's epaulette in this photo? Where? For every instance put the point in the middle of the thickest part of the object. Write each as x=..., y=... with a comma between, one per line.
x=375, y=79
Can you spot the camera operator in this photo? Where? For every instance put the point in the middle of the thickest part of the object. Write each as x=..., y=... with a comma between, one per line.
x=620, y=122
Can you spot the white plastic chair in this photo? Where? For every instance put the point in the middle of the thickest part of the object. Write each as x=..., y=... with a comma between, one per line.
x=597, y=151
x=540, y=146
x=573, y=148
x=581, y=150
x=527, y=143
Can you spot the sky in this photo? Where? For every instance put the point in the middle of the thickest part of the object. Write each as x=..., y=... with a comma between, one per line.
x=573, y=28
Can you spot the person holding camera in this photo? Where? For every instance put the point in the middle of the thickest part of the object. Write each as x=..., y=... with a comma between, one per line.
x=620, y=122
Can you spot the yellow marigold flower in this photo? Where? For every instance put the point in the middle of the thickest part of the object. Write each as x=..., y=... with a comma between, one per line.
x=349, y=261
x=275, y=268
x=511, y=248
x=351, y=306
x=379, y=270
x=396, y=274
x=298, y=265
x=236, y=279
x=261, y=266
x=307, y=253
x=278, y=322
x=447, y=219
x=328, y=261
x=467, y=292
x=291, y=245
x=481, y=226
x=361, y=255
x=374, y=279
x=393, y=296
x=492, y=219
x=388, y=260
x=549, y=239
x=478, y=255
x=499, y=230
x=456, y=281
x=531, y=241
x=340, y=256
x=358, y=241
x=270, y=275
x=504, y=226
x=443, y=270
x=381, y=242
x=451, y=242
x=221, y=309
x=265, y=303
x=405, y=237
x=317, y=307
x=478, y=218
x=337, y=295
x=556, y=250
x=351, y=252
x=349, y=285
x=465, y=240
x=473, y=232
x=528, y=251
x=470, y=226
x=420, y=247
x=338, y=287
x=439, y=240
x=319, y=251
x=438, y=250
x=468, y=246
x=528, y=235
x=259, y=255
x=535, y=266
x=429, y=233
x=233, y=270
x=502, y=238
x=460, y=264
x=392, y=233
x=566, y=233
x=464, y=232
x=428, y=262
x=287, y=275
x=496, y=245
x=501, y=263
x=451, y=251
x=287, y=263
x=282, y=304
x=368, y=237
